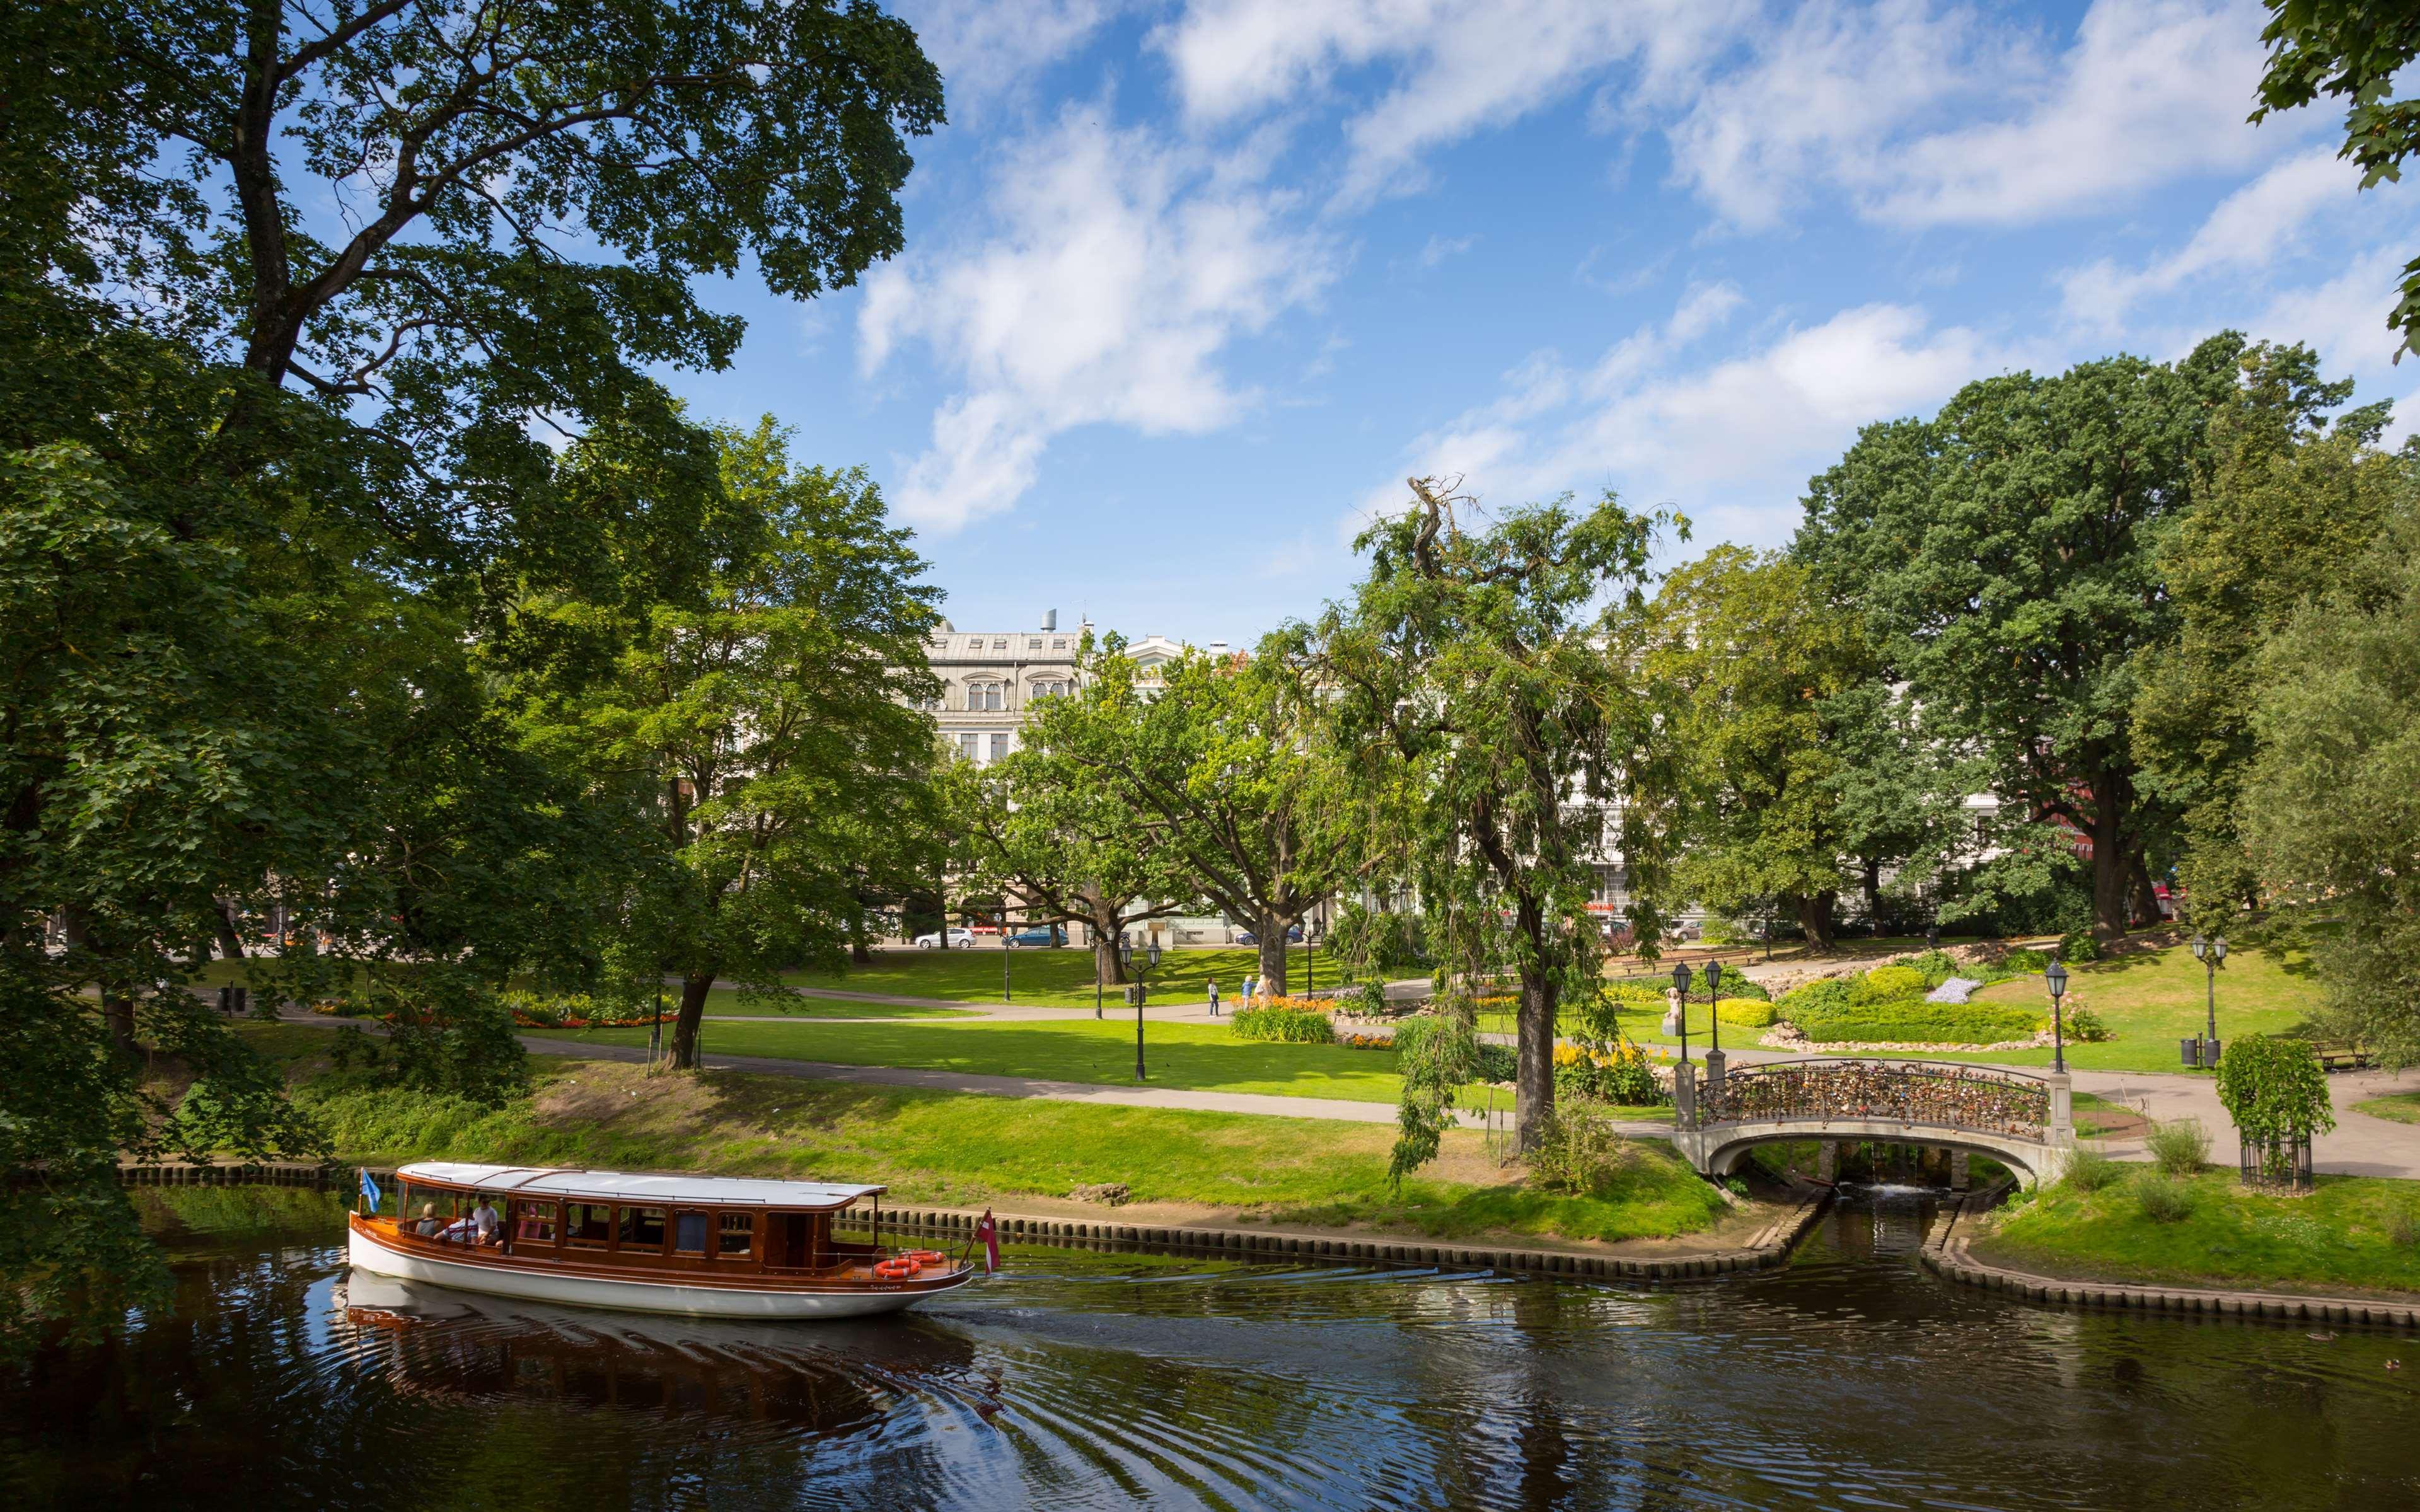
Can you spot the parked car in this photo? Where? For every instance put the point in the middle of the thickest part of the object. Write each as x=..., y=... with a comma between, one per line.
x=1029, y=939
x=1244, y=936
x=960, y=939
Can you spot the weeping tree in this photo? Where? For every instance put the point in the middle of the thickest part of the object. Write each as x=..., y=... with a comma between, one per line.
x=1481, y=686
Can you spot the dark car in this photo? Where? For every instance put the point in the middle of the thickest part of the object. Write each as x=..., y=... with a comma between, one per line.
x=1294, y=936
x=1029, y=939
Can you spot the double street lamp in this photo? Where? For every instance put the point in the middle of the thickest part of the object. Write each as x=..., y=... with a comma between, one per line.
x=2055, y=975
x=2211, y=953
x=1714, y=1021
x=1139, y=989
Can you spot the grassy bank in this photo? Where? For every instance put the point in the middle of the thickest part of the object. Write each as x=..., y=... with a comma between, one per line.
x=2400, y=1107
x=2354, y=1234
x=1192, y=1056
x=960, y=1149
x=1054, y=978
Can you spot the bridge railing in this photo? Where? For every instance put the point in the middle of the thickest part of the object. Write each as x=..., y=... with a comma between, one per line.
x=1987, y=1100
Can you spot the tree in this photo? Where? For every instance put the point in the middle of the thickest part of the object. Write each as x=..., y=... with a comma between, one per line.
x=1480, y=690
x=762, y=726
x=2004, y=554
x=2286, y=501
x=1222, y=758
x=2330, y=808
x=2352, y=49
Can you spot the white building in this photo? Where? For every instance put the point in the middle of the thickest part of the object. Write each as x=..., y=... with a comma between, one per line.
x=989, y=679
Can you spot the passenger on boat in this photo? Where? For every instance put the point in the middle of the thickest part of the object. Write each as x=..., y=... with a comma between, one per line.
x=483, y=1220
x=428, y=1224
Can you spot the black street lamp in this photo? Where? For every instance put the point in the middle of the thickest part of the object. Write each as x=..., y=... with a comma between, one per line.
x=2211, y=953
x=1714, y=1023
x=2056, y=978
x=1141, y=990
x=1680, y=985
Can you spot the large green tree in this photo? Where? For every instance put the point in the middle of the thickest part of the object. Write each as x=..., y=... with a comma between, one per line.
x=1481, y=686
x=2004, y=554
x=2287, y=497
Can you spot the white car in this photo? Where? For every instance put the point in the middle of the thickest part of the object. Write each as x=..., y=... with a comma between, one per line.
x=960, y=939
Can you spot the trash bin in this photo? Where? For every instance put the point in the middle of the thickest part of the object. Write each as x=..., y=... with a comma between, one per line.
x=2190, y=1048
x=2209, y=1054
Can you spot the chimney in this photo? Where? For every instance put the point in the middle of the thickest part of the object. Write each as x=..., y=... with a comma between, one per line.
x=1050, y=619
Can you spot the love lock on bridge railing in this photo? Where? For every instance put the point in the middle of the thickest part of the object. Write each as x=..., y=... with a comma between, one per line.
x=1959, y=1097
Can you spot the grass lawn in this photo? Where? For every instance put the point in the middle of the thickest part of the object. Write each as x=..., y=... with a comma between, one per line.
x=945, y=1148
x=2403, y=1107
x=1195, y=1057
x=2354, y=1233
x=1053, y=979
x=728, y=1001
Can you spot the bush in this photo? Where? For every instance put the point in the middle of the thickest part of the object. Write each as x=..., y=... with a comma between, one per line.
x=1742, y=987
x=2022, y=962
x=2079, y=945
x=2273, y=1088
x=1577, y=1152
x=2091, y=1171
x=1619, y=1074
x=2179, y=1146
x=1935, y=967
x=1284, y=1025
x=2084, y=1025
x=1916, y=1021
x=1887, y=984
x=2162, y=1200
x=1829, y=995
x=1748, y=1013
x=1496, y=1063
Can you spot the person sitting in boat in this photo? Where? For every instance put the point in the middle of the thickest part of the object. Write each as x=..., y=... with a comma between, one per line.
x=485, y=1224
x=428, y=1224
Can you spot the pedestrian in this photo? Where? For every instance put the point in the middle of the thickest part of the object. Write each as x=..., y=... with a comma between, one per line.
x=1213, y=986
x=1251, y=984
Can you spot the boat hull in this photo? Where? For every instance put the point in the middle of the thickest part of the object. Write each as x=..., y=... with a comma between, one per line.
x=633, y=1295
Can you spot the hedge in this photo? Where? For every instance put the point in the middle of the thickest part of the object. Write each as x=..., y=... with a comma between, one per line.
x=1887, y=984
x=1918, y=1022
x=1284, y=1026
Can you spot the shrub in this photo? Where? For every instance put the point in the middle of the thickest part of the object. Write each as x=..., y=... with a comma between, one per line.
x=2078, y=945
x=2084, y=1026
x=2164, y=1200
x=1828, y=995
x=2273, y=1088
x=1748, y=1012
x=2019, y=963
x=1742, y=987
x=2090, y=1170
x=1577, y=1152
x=1887, y=984
x=1284, y=1025
x=1619, y=1074
x=2179, y=1146
x=1935, y=966
x=1496, y=1063
x=1918, y=1022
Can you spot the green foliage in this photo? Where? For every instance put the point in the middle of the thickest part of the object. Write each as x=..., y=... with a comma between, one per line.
x=1370, y=941
x=1579, y=1153
x=2089, y=1170
x=1935, y=967
x=1748, y=1013
x=2023, y=961
x=2274, y=1089
x=1284, y=1025
x=1828, y=994
x=2084, y=1026
x=2078, y=946
x=2162, y=1200
x=1916, y=1021
x=2179, y=1147
x=1437, y=1061
x=1886, y=984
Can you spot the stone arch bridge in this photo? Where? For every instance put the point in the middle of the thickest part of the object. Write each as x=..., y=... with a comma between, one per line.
x=2021, y=1118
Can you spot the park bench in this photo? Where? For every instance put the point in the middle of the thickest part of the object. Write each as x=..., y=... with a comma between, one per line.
x=2342, y=1057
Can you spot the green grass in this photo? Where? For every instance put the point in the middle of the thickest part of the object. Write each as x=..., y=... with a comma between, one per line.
x=2402, y=1107
x=728, y=1001
x=1193, y=1057
x=944, y=1147
x=2353, y=1233
x=1052, y=978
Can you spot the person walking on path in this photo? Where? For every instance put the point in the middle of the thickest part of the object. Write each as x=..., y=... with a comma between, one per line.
x=1213, y=986
x=1251, y=985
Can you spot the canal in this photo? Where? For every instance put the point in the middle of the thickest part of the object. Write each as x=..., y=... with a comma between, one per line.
x=1849, y=1380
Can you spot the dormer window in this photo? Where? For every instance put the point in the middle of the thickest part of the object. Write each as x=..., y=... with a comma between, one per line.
x=1032, y=642
x=1000, y=642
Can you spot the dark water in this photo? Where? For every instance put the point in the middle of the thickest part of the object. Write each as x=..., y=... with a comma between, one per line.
x=1851, y=1379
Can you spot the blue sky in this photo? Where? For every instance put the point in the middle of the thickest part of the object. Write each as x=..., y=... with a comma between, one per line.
x=1192, y=286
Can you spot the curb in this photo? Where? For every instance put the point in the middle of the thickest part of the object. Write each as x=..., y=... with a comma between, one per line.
x=180, y=1173
x=1945, y=1255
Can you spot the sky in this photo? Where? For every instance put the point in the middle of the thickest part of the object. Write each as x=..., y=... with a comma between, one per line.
x=1191, y=287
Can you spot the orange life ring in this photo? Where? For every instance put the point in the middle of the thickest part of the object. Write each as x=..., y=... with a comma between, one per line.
x=895, y=1269
x=924, y=1256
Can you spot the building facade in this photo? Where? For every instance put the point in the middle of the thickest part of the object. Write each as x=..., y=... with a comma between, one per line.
x=991, y=679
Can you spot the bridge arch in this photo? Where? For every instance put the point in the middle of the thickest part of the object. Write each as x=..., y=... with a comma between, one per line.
x=2017, y=1117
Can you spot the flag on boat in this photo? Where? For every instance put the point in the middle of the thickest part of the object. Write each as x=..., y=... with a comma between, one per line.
x=988, y=1232
x=369, y=1189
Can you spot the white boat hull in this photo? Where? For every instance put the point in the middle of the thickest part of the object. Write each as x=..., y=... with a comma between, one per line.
x=633, y=1295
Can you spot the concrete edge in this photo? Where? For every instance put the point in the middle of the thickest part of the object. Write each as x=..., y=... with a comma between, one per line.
x=1945, y=1255
x=1770, y=1246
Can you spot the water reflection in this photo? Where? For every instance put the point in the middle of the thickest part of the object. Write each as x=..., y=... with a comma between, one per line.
x=1849, y=1378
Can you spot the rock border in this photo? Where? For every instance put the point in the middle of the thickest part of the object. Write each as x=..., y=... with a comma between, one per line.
x=1945, y=1255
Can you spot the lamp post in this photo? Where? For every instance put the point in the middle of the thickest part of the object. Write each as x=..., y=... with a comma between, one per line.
x=1003, y=956
x=2056, y=979
x=1141, y=990
x=2211, y=953
x=1681, y=984
x=1714, y=1024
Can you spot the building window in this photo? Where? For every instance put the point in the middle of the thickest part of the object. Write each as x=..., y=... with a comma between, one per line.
x=984, y=698
x=1060, y=643
x=968, y=740
x=1032, y=642
x=999, y=747
x=1000, y=642
x=1049, y=689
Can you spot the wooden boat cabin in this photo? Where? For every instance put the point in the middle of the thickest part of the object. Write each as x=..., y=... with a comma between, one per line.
x=703, y=1244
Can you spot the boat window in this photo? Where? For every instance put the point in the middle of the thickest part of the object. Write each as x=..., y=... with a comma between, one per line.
x=737, y=1236
x=689, y=1233
x=590, y=1226
x=534, y=1222
x=642, y=1228
x=427, y=1210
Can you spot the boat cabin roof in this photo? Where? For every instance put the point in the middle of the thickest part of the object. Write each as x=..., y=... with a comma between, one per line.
x=620, y=1186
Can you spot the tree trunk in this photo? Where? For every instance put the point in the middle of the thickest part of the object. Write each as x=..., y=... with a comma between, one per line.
x=1533, y=1057
x=1815, y=917
x=230, y=943
x=2147, y=898
x=1873, y=867
x=858, y=952
x=693, y=1013
x=1272, y=931
x=2111, y=866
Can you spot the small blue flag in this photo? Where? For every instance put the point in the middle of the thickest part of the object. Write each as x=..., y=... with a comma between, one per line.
x=369, y=1189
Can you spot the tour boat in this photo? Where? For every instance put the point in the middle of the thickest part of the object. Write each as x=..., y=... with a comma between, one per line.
x=697, y=1245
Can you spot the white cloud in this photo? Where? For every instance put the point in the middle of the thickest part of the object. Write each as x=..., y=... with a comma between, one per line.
x=1439, y=248
x=1116, y=272
x=2344, y=319
x=991, y=50
x=1932, y=117
x=2249, y=230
